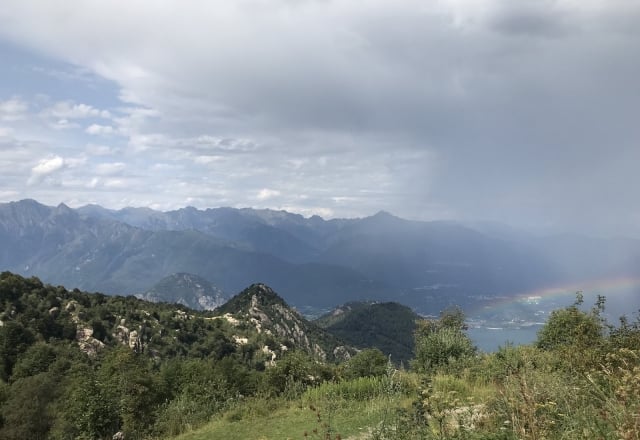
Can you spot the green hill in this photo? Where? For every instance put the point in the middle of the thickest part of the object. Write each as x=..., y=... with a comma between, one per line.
x=75, y=365
x=387, y=326
x=87, y=365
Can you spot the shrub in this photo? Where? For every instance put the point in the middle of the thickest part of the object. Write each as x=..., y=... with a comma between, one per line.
x=440, y=348
x=370, y=362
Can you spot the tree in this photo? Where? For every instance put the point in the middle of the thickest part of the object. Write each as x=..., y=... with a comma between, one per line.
x=26, y=413
x=367, y=363
x=577, y=337
x=441, y=342
x=125, y=377
x=86, y=409
x=292, y=373
x=573, y=327
x=14, y=340
x=36, y=359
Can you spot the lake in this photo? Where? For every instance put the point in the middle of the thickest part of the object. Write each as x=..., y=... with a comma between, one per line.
x=490, y=339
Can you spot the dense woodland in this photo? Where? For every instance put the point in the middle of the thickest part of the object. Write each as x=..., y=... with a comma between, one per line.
x=387, y=326
x=75, y=365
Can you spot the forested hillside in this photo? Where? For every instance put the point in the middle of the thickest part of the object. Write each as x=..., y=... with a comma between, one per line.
x=387, y=326
x=77, y=365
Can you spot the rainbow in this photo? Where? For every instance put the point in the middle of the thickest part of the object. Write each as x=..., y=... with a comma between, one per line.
x=611, y=288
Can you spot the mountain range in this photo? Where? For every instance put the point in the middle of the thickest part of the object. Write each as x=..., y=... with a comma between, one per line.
x=309, y=261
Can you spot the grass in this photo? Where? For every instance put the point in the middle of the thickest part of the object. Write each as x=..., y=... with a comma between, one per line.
x=262, y=419
x=352, y=409
x=347, y=409
x=473, y=390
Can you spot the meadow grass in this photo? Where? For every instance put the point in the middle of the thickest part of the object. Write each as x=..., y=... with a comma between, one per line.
x=290, y=420
x=350, y=409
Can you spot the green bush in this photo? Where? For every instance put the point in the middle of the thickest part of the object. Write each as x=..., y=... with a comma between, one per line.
x=370, y=362
x=360, y=388
x=442, y=342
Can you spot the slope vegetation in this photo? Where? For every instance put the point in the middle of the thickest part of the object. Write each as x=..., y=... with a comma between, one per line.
x=388, y=327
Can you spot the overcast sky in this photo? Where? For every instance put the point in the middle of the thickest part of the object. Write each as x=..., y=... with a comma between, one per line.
x=523, y=112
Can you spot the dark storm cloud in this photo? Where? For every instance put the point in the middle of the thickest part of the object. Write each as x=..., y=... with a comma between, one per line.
x=516, y=111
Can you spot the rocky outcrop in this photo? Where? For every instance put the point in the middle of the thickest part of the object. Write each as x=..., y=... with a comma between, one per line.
x=267, y=312
x=86, y=341
x=130, y=338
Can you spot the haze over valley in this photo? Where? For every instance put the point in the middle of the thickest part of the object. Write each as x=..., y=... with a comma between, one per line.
x=503, y=279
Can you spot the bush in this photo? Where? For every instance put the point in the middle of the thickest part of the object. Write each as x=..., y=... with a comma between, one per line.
x=291, y=375
x=577, y=337
x=440, y=348
x=360, y=388
x=370, y=362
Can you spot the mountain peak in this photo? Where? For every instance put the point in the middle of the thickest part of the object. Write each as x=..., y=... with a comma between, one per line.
x=386, y=216
x=63, y=208
x=256, y=295
x=382, y=214
x=187, y=289
x=269, y=313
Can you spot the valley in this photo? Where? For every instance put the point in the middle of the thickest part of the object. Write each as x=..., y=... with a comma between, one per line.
x=317, y=265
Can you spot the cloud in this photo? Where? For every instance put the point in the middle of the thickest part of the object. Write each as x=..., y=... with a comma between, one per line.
x=266, y=194
x=462, y=108
x=99, y=150
x=63, y=124
x=118, y=184
x=110, y=169
x=5, y=132
x=70, y=110
x=100, y=130
x=44, y=168
x=14, y=109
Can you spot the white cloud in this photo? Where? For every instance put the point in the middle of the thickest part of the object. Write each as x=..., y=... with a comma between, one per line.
x=75, y=162
x=63, y=124
x=6, y=132
x=99, y=150
x=208, y=159
x=266, y=193
x=110, y=169
x=44, y=168
x=14, y=109
x=117, y=184
x=70, y=110
x=309, y=211
x=100, y=130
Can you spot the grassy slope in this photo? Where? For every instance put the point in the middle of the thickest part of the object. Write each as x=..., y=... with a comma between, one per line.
x=269, y=420
x=351, y=408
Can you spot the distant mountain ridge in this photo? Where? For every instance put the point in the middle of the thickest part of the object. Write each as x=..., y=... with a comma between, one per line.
x=310, y=261
x=187, y=289
x=62, y=246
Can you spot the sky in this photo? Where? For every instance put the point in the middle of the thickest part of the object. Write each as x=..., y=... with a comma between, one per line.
x=522, y=112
